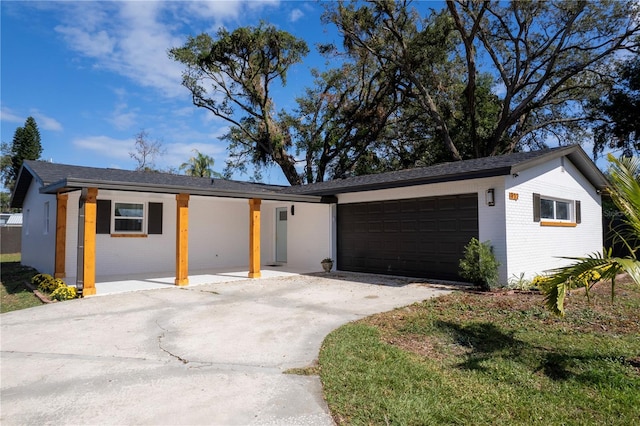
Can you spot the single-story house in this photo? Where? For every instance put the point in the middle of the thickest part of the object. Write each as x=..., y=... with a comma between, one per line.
x=534, y=207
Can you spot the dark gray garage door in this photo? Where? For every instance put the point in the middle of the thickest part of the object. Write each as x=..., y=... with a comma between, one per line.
x=420, y=237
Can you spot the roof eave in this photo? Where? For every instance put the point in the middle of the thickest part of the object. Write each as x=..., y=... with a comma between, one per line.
x=72, y=184
x=22, y=184
x=577, y=156
x=501, y=171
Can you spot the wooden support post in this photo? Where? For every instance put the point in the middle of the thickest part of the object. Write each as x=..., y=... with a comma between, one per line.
x=254, y=238
x=89, y=264
x=182, y=239
x=61, y=235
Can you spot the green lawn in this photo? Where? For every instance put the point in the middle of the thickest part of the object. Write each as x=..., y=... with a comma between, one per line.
x=489, y=359
x=13, y=294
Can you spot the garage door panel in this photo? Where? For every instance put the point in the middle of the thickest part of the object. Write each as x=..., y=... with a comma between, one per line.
x=422, y=237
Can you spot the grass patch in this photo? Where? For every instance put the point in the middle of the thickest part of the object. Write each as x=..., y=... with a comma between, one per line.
x=497, y=358
x=13, y=293
x=311, y=370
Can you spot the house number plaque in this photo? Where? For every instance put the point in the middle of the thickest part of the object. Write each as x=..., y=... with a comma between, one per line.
x=513, y=196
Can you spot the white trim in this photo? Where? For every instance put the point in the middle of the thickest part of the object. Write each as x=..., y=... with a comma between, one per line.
x=143, y=218
x=555, y=200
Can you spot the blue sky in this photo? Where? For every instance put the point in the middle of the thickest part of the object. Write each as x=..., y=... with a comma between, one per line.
x=93, y=74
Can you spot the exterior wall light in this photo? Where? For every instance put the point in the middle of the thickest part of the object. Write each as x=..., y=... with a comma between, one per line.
x=293, y=210
x=491, y=198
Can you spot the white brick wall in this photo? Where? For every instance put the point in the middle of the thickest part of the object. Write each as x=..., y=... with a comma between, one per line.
x=534, y=249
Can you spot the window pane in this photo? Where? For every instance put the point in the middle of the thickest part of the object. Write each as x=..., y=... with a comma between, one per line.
x=129, y=210
x=131, y=225
x=546, y=209
x=562, y=210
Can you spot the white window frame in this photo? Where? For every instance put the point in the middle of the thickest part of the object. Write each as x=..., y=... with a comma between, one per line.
x=570, y=206
x=114, y=218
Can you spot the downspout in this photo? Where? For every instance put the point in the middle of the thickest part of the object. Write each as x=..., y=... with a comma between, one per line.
x=80, y=261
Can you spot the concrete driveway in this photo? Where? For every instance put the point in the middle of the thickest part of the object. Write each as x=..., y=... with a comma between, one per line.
x=211, y=354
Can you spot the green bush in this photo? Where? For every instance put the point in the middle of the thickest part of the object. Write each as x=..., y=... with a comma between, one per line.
x=539, y=281
x=64, y=292
x=46, y=283
x=479, y=265
x=40, y=278
x=519, y=282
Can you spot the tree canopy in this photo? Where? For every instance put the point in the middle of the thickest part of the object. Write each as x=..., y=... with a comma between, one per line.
x=413, y=86
x=24, y=146
x=200, y=165
x=233, y=76
x=617, y=115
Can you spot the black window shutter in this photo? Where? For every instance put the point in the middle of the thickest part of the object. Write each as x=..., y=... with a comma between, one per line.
x=103, y=216
x=578, y=212
x=536, y=207
x=155, y=218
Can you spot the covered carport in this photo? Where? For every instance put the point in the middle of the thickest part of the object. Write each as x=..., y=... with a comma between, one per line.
x=84, y=240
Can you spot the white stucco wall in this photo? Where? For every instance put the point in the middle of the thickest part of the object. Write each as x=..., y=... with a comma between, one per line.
x=218, y=232
x=309, y=238
x=491, y=219
x=533, y=248
x=124, y=256
x=218, y=236
x=38, y=244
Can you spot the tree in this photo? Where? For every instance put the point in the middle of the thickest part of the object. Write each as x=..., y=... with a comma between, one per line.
x=616, y=115
x=546, y=59
x=25, y=146
x=5, y=201
x=233, y=76
x=340, y=121
x=200, y=165
x=412, y=87
x=586, y=271
x=145, y=152
x=6, y=166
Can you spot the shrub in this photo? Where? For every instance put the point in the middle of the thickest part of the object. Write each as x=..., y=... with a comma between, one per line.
x=39, y=279
x=46, y=283
x=64, y=292
x=479, y=265
x=519, y=282
x=539, y=281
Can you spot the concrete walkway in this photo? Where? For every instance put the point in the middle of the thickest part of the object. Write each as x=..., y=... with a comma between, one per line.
x=210, y=354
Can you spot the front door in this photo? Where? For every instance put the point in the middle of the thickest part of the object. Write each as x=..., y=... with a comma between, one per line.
x=281, y=235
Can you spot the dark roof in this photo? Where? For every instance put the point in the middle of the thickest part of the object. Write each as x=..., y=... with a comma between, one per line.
x=63, y=178
x=459, y=170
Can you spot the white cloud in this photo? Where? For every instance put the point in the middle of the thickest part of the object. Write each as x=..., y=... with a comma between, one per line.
x=94, y=45
x=122, y=118
x=128, y=39
x=46, y=122
x=117, y=150
x=106, y=146
x=131, y=38
x=295, y=15
x=6, y=114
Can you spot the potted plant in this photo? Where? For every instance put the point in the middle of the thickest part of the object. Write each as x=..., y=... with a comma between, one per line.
x=327, y=264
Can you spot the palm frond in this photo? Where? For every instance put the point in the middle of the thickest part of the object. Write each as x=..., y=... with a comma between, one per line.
x=625, y=190
x=625, y=193
x=566, y=278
